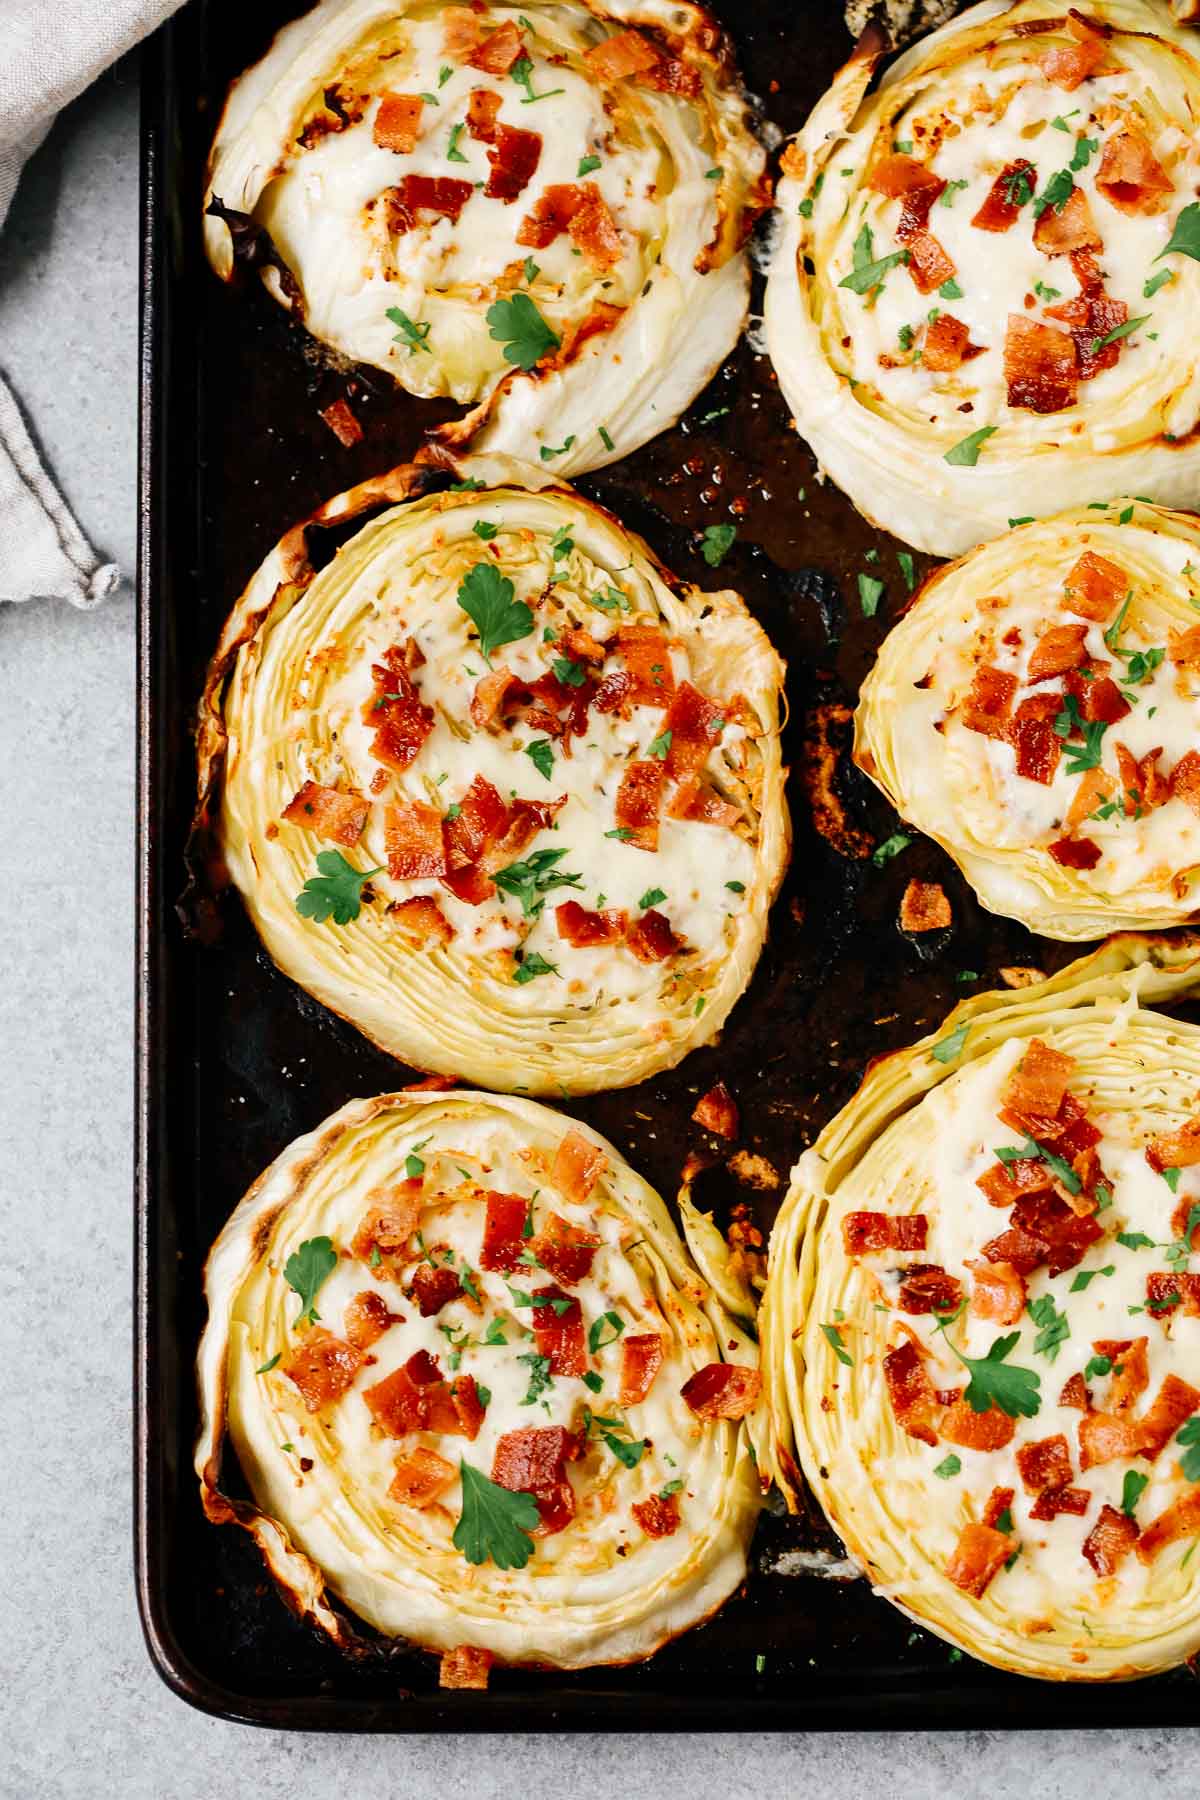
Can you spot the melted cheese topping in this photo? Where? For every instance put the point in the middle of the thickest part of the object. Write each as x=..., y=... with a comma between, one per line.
x=601, y=1587
x=295, y=712
x=963, y=787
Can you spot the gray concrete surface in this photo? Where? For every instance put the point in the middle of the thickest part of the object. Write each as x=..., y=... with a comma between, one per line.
x=84, y=1713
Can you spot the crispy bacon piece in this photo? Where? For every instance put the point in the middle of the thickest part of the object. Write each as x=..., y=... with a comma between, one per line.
x=497, y=52
x=578, y=1165
x=398, y=1404
x=1004, y=1184
x=1044, y=1230
x=1171, y=1407
x=927, y=1288
x=1038, y=1082
x=1096, y=696
x=657, y=1517
x=1165, y=1294
x=948, y=345
x=503, y=1231
x=638, y=800
x=558, y=1331
x=1131, y=1372
x=695, y=801
x=1057, y=1500
x=695, y=723
x=722, y=1391
x=398, y=122
x=641, y=1359
x=651, y=938
x=1175, y=1149
x=564, y=1250
x=389, y=1222
x=422, y=1476
x=435, y=1288
x=480, y=823
x=1095, y=787
x=924, y=907
x=1130, y=176
x=1110, y=1540
x=465, y=1667
x=646, y=654
x=999, y=1501
x=1180, y=1520
x=1058, y=649
x=911, y=1392
x=1035, y=742
x=556, y=207
x=1090, y=318
x=513, y=156
x=959, y=1423
x=988, y=706
x=1185, y=780
x=1040, y=366
x=614, y=693
x=717, y=1111
x=367, y=1318
x=625, y=53
x=902, y=177
x=578, y=208
x=584, y=929
x=1075, y=852
x=863, y=1232
x=1103, y=1436
x=997, y=1291
x=482, y=108
x=1184, y=650
x=1066, y=65
x=1075, y=1394
x=412, y=837
x=999, y=212
x=1094, y=587
x=979, y=1555
x=1069, y=231
x=455, y=1408
x=328, y=812
x=1184, y=1210
x=422, y=919
x=491, y=696
x=322, y=1366
x=1143, y=784
x=928, y=263
x=460, y=30
x=400, y=722
x=413, y=194
x=533, y=1461
x=341, y=421
x=1045, y=1464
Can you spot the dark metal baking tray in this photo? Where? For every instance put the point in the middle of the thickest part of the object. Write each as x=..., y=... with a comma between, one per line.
x=233, y=1061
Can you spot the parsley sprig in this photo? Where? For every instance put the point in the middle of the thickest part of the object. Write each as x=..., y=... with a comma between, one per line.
x=531, y=880
x=495, y=1524
x=486, y=596
x=305, y=1271
x=519, y=326
x=994, y=1380
x=336, y=891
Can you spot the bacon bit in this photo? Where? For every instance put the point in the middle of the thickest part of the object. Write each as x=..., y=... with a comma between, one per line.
x=911, y=1392
x=1165, y=1294
x=397, y=1404
x=482, y=108
x=1066, y=65
x=722, y=1391
x=413, y=194
x=980, y=1554
x=1130, y=176
x=564, y=1250
x=1184, y=651
x=998, y=212
x=925, y=907
x=1181, y=1215
x=651, y=938
x=422, y=919
x=902, y=177
x=398, y=122
x=491, y=696
x=657, y=1517
x=390, y=1222
x=1093, y=587
x=583, y=929
x=593, y=229
x=1174, y=1403
x=328, y=812
x=1091, y=318
x=423, y=1368
x=1044, y=1230
x=1142, y=782
x=928, y=263
x=1131, y=1370
x=578, y=1165
x=947, y=345
x=1103, y=1436
x=1181, y=1520
x=558, y=1331
x=455, y=1409
x=1095, y=695
x=422, y=1476
x=512, y=157
x=342, y=422
x=988, y=706
x=961, y=1424
x=998, y=1503
x=1110, y=1540
x=503, y=1232
x=1045, y=1464
x=533, y=1461
x=998, y=1292
x=480, y=823
x=1068, y=232
x=927, y=1288
x=646, y=653
x=322, y=1366
x=819, y=756
x=499, y=51
x=367, y=1318
x=1175, y=1150
x=638, y=799
x=556, y=207
x=695, y=724
x=400, y=722
x=412, y=836
x=465, y=1667
x=867, y=1231
x=625, y=53
x=435, y=1288
x=1075, y=1394
x=1185, y=780
x=641, y=1359
x=460, y=30
x=1055, y=1501
x=1040, y=366
x=717, y=1111
x=583, y=646
x=614, y=694
x=670, y=75
x=1035, y=742
x=1057, y=650
x=1075, y=853
x=1095, y=787
x=696, y=802
x=1003, y=1185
